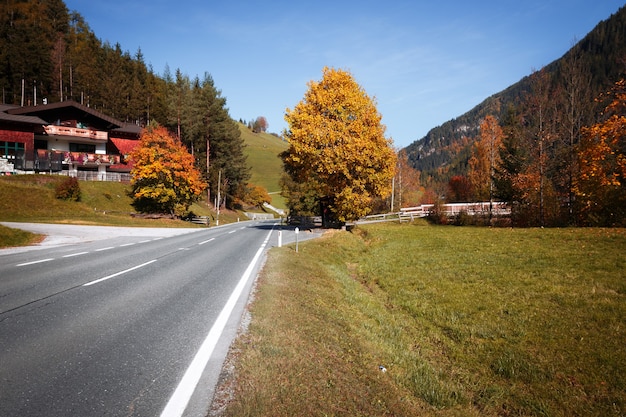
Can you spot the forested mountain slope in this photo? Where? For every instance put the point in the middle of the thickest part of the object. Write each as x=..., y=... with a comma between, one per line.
x=600, y=57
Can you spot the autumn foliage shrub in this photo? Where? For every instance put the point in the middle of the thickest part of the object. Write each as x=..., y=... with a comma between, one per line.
x=164, y=179
x=68, y=189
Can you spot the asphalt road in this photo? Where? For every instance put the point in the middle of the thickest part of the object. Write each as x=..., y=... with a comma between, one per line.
x=124, y=323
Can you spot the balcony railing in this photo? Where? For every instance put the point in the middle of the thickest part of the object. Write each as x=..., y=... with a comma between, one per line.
x=45, y=159
x=90, y=158
x=96, y=135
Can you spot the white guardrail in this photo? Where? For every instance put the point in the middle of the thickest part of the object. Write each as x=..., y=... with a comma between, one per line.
x=453, y=209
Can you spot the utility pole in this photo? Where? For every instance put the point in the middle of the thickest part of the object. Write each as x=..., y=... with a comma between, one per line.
x=393, y=190
x=219, y=182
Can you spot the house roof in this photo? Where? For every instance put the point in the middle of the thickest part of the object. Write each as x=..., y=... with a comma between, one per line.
x=18, y=119
x=129, y=128
x=124, y=146
x=68, y=109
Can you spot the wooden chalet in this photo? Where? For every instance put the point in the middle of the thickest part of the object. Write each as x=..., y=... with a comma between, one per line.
x=65, y=137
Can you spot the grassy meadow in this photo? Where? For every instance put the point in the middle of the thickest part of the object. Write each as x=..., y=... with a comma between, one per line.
x=463, y=321
x=30, y=198
x=262, y=150
x=10, y=237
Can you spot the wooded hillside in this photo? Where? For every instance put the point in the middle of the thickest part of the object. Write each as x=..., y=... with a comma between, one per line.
x=49, y=54
x=555, y=146
x=600, y=59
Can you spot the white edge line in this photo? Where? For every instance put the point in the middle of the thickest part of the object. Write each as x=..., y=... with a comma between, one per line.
x=178, y=401
x=35, y=262
x=119, y=273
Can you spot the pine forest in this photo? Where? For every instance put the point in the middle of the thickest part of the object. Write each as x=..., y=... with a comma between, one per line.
x=49, y=53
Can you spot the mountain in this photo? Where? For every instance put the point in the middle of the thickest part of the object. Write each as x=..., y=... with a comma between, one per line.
x=445, y=150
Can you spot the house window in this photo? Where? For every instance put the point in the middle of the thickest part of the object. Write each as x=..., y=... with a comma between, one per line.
x=82, y=147
x=10, y=150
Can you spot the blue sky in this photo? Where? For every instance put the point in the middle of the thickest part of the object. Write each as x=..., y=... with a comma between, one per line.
x=425, y=62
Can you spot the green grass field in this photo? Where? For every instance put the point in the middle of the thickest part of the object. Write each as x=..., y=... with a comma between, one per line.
x=10, y=237
x=466, y=322
x=262, y=150
x=30, y=198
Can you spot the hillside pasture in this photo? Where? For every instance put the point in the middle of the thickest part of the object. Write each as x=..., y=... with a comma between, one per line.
x=262, y=150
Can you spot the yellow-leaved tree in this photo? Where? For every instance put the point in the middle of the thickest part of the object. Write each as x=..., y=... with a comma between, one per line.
x=339, y=160
x=163, y=178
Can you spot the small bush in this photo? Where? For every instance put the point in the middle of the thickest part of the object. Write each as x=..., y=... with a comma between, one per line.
x=68, y=189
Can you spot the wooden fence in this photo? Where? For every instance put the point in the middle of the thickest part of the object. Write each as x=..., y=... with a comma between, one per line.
x=409, y=214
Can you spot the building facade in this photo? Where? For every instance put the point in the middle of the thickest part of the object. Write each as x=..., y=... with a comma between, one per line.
x=67, y=138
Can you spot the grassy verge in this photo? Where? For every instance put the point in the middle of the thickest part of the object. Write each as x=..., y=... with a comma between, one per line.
x=466, y=322
x=13, y=237
x=30, y=198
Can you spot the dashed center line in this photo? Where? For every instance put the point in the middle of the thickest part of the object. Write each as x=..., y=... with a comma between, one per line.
x=109, y=248
x=118, y=273
x=103, y=249
x=36, y=262
x=74, y=254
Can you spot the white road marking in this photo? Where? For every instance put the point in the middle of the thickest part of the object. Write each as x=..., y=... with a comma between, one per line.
x=178, y=402
x=103, y=249
x=118, y=273
x=232, y=231
x=74, y=254
x=126, y=244
x=36, y=262
x=206, y=241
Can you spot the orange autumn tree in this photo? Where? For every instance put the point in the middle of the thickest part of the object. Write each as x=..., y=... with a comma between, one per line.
x=338, y=154
x=601, y=184
x=485, y=159
x=164, y=179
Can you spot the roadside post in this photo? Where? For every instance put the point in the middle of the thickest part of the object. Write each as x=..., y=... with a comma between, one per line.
x=297, y=231
x=280, y=238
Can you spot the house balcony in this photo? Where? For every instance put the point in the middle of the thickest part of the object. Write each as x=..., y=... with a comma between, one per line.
x=45, y=160
x=75, y=132
x=90, y=159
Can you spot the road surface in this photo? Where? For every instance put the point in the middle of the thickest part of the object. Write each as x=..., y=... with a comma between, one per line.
x=130, y=324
